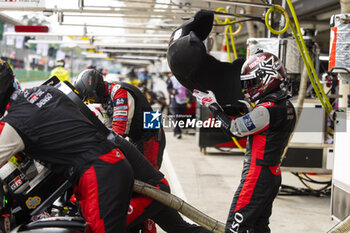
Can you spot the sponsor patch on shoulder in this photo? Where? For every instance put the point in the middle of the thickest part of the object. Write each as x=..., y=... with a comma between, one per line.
x=35, y=96
x=120, y=101
x=120, y=113
x=248, y=122
x=44, y=100
x=120, y=119
x=120, y=107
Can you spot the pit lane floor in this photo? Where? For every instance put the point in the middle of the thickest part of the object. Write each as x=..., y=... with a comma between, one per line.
x=208, y=182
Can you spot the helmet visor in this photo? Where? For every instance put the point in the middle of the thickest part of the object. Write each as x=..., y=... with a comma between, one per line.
x=249, y=80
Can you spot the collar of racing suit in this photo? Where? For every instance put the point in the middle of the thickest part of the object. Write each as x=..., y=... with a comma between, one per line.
x=275, y=96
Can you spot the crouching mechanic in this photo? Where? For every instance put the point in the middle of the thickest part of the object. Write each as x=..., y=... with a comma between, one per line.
x=128, y=98
x=124, y=105
x=268, y=127
x=142, y=207
x=45, y=123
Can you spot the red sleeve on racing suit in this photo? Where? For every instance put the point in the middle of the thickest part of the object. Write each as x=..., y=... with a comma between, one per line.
x=266, y=104
x=123, y=110
x=2, y=124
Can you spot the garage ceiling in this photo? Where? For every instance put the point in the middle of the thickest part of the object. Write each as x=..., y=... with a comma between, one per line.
x=143, y=27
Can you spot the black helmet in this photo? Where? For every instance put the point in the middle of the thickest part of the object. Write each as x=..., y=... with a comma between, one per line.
x=6, y=85
x=91, y=86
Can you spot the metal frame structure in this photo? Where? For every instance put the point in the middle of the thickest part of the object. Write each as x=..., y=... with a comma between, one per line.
x=134, y=10
x=169, y=15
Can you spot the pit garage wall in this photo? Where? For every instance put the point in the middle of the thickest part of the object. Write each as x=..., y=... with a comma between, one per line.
x=340, y=200
x=339, y=63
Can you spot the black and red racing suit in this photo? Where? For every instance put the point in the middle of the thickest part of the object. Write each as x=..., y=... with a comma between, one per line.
x=142, y=207
x=46, y=124
x=125, y=107
x=268, y=127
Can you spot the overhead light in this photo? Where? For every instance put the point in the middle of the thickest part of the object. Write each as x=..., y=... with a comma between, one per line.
x=38, y=34
x=82, y=42
x=118, y=16
x=47, y=13
x=133, y=51
x=138, y=57
x=134, y=62
x=117, y=10
x=133, y=45
x=324, y=58
x=120, y=26
x=239, y=3
x=104, y=44
x=94, y=55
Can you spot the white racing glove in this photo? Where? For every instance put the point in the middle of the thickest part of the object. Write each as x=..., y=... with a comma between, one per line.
x=203, y=98
x=209, y=100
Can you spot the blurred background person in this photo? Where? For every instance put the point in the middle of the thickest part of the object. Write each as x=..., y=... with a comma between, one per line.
x=60, y=72
x=145, y=78
x=179, y=99
x=133, y=78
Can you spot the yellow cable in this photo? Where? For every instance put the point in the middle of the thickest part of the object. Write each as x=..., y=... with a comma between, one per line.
x=218, y=20
x=228, y=44
x=229, y=32
x=308, y=56
x=281, y=11
x=309, y=71
x=233, y=42
x=238, y=145
x=288, y=23
x=303, y=51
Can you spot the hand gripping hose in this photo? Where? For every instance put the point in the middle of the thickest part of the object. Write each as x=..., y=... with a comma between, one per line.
x=180, y=205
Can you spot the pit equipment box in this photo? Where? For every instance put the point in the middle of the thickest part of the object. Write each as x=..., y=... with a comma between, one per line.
x=213, y=137
x=307, y=151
